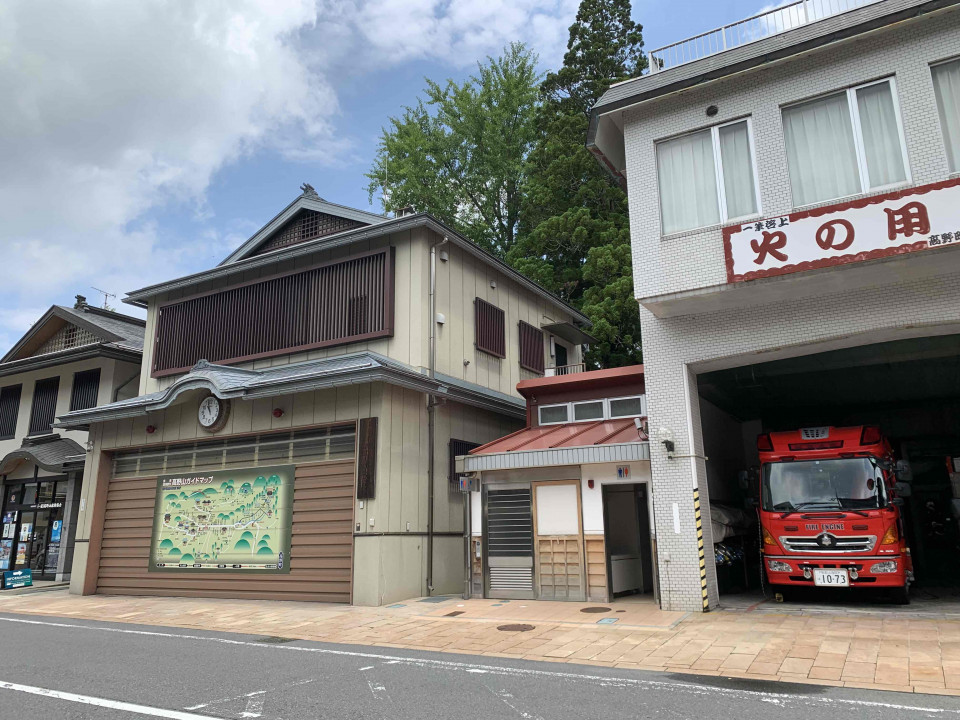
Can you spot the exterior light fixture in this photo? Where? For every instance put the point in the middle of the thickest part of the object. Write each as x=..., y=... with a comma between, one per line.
x=151, y=429
x=712, y=110
x=278, y=412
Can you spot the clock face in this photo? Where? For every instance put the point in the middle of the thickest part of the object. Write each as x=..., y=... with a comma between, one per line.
x=210, y=410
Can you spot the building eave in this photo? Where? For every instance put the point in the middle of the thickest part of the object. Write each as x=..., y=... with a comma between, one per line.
x=554, y=457
x=365, y=367
x=71, y=355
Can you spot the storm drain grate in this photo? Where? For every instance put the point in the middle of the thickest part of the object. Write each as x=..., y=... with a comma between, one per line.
x=275, y=639
x=454, y=613
x=515, y=628
x=594, y=609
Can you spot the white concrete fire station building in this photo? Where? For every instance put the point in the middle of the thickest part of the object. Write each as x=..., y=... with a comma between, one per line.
x=795, y=220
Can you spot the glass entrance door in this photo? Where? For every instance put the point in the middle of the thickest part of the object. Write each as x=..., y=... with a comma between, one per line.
x=32, y=527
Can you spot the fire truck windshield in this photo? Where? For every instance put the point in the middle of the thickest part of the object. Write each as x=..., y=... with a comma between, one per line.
x=836, y=484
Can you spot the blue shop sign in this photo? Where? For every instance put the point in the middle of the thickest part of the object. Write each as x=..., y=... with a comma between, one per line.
x=17, y=579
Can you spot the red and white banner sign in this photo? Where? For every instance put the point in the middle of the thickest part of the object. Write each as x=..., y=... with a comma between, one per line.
x=892, y=224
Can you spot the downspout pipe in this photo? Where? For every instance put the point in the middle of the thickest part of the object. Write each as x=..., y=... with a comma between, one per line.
x=431, y=412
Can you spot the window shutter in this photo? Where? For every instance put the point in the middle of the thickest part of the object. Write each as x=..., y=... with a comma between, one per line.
x=9, y=409
x=86, y=386
x=44, y=409
x=531, y=347
x=490, y=328
x=458, y=447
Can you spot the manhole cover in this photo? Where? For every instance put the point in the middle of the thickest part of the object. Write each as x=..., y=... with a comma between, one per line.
x=275, y=639
x=594, y=610
x=515, y=628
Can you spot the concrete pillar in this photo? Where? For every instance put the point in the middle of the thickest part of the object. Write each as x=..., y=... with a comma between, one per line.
x=673, y=404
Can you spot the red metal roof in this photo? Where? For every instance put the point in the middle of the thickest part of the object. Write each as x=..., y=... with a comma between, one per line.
x=580, y=434
x=611, y=377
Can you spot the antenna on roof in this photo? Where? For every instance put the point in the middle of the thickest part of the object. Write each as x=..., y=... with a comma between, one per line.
x=106, y=305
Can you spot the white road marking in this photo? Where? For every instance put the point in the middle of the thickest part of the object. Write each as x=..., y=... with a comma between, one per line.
x=103, y=702
x=368, y=667
x=505, y=697
x=254, y=707
x=226, y=700
x=378, y=690
x=602, y=680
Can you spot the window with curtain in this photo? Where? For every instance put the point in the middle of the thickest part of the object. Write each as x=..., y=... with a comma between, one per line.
x=946, y=85
x=844, y=143
x=707, y=177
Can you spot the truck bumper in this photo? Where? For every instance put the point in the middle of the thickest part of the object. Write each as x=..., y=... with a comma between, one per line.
x=864, y=571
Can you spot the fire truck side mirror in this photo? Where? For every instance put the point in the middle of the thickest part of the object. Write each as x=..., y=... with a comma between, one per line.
x=902, y=489
x=903, y=471
x=898, y=501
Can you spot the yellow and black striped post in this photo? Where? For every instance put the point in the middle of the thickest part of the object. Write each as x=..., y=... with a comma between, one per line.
x=703, y=560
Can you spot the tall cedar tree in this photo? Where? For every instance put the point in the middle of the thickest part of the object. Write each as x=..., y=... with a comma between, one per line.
x=575, y=235
x=461, y=155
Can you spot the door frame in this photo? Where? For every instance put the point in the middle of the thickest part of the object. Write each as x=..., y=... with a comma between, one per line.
x=580, y=541
x=652, y=539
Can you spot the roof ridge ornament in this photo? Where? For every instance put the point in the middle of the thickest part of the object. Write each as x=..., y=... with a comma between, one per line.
x=202, y=364
x=309, y=192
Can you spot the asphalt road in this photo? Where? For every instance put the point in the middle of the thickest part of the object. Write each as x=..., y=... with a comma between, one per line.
x=56, y=668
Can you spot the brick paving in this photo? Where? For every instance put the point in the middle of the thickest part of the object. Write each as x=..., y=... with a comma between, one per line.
x=885, y=651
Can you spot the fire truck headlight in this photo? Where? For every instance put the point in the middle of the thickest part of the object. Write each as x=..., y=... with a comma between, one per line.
x=777, y=566
x=888, y=566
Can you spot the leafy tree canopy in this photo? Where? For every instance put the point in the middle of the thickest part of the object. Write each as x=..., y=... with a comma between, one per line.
x=460, y=153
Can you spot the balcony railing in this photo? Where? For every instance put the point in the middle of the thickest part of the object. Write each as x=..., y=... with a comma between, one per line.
x=772, y=22
x=564, y=370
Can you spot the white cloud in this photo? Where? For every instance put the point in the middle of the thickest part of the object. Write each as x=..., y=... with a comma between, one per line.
x=114, y=110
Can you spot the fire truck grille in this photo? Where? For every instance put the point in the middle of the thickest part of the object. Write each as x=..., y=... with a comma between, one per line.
x=831, y=544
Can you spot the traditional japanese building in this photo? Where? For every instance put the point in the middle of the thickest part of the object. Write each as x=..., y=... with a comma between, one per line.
x=72, y=358
x=299, y=408
x=795, y=220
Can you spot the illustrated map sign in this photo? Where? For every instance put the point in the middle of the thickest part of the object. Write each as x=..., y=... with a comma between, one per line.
x=894, y=223
x=224, y=521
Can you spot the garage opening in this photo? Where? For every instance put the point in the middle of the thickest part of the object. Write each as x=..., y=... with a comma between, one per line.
x=910, y=389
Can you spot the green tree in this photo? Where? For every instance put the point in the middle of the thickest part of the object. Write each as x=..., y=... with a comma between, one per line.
x=575, y=236
x=460, y=154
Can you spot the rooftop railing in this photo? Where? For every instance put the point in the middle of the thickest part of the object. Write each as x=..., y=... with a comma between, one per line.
x=769, y=22
x=565, y=370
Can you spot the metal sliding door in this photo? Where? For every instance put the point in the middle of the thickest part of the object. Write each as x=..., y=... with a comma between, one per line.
x=508, y=534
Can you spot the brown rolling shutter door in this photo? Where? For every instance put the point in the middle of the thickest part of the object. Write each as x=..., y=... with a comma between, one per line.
x=321, y=550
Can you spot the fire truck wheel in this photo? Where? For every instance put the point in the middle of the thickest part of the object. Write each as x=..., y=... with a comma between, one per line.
x=900, y=596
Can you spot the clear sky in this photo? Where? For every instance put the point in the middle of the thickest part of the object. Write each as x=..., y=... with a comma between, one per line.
x=141, y=141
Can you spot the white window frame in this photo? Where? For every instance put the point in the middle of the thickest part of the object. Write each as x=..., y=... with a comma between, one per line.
x=607, y=415
x=943, y=130
x=573, y=410
x=718, y=174
x=853, y=107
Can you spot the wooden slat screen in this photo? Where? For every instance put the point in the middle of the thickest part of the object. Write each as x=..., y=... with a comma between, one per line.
x=458, y=447
x=9, y=410
x=531, y=347
x=307, y=225
x=367, y=458
x=335, y=303
x=490, y=328
x=86, y=386
x=44, y=409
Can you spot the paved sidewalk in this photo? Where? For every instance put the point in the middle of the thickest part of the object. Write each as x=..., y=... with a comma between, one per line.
x=904, y=652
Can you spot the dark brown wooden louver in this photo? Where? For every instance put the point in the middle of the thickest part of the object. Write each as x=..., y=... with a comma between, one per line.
x=490, y=330
x=9, y=409
x=531, y=347
x=44, y=409
x=367, y=459
x=86, y=385
x=458, y=447
x=334, y=303
x=306, y=225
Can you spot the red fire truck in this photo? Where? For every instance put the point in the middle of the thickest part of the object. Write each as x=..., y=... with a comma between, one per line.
x=829, y=511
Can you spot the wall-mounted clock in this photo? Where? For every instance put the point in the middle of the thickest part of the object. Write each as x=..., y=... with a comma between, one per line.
x=212, y=413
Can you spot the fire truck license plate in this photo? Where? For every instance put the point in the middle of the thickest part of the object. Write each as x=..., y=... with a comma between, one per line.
x=831, y=578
